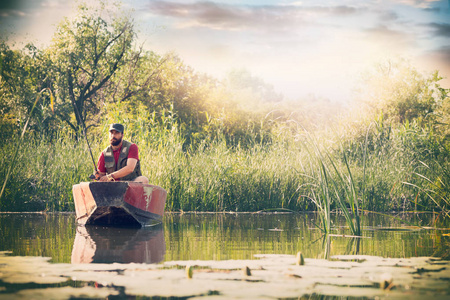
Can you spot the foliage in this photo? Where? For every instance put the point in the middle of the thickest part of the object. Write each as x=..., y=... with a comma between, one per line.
x=400, y=93
x=437, y=186
x=19, y=141
x=23, y=75
x=202, y=139
x=94, y=63
x=44, y=172
x=85, y=53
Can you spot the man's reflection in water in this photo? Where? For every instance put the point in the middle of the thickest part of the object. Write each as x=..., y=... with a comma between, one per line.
x=122, y=245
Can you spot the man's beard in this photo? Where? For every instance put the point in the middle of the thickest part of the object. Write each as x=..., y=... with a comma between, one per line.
x=116, y=142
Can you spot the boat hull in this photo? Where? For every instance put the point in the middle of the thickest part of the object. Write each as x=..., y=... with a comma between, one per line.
x=120, y=203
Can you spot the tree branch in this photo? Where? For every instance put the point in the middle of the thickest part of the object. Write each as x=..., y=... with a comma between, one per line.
x=112, y=70
x=146, y=83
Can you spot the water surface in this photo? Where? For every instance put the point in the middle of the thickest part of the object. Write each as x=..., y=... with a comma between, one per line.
x=216, y=237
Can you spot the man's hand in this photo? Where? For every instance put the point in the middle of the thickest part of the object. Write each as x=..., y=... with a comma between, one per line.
x=103, y=179
x=99, y=175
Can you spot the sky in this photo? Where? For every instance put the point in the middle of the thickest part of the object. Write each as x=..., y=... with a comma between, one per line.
x=302, y=48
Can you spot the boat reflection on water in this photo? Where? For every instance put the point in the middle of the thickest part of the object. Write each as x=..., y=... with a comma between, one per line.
x=121, y=245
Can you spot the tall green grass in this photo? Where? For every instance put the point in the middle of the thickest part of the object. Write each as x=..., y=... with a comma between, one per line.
x=333, y=186
x=44, y=172
x=437, y=185
x=216, y=178
x=20, y=138
x=338, y=172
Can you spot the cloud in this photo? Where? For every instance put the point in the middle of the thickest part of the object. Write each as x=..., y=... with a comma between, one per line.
x=433, y=9
x=12, y=8
x=7, y=13
x=383, y=32
x=51, y=4
x=417, y=3
x=438, y=59
x=440, y=29
x=235, y=17
x=11, y=4
x=384, y=41
x=443, y=54
x=20, y=8
x=388, y=16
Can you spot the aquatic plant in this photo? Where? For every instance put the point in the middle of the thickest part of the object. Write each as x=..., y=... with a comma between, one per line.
x=319, y=191
x=45, y=182
x=436, y=186
x=333, y=183
x=341, y=172
x=20, y=139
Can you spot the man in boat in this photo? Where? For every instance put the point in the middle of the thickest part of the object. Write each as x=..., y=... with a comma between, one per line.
x=120, y=160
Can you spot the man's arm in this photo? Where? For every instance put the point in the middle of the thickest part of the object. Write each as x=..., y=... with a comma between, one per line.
x=101, y=170
x=128, y=169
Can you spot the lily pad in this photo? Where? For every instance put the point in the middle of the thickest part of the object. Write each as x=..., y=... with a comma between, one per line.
x=272, y=276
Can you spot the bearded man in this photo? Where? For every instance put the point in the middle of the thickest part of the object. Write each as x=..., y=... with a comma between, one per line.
x=120, y=160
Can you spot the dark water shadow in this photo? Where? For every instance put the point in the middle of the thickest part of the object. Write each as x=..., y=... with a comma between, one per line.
x=94, y=244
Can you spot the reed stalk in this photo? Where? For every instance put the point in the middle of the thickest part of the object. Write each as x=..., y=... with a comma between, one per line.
x=19, y=141
x=335, y=184
x=291, y=172
x=437, y=189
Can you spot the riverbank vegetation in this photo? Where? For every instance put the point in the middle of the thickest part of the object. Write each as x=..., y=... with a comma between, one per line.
x=233, y=144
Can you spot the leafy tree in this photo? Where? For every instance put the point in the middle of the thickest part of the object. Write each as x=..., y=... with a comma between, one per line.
x=401, y=93
x=23, y=74
x=86, y=53
x=241, y=81
x=133, y=82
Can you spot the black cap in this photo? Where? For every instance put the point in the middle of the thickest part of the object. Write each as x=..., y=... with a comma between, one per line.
x=117, y=127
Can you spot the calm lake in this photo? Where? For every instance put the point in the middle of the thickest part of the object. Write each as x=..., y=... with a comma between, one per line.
x=218, y=237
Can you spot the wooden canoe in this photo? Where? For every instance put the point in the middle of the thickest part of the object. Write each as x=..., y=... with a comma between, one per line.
x=120, y=203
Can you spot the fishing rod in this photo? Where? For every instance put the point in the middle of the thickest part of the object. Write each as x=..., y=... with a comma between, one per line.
x=87, y=141
x=92, y=176
x=72, y=99
x=85, y=136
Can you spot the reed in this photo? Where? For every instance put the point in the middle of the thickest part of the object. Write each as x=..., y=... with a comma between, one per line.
x=45, y=170
x=333, y=186
x=436, y=186
x=319, y=186
x=20, y=139
x=348, y=202
x=216, y=178
x=338, y=172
